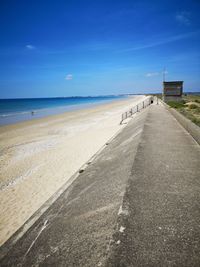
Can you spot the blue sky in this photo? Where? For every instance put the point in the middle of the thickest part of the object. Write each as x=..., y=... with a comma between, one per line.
x=64, y=48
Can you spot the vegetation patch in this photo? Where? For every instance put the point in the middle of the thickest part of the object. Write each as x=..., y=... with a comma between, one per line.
x=193, y=106
x=189, y=106
x=175, y=104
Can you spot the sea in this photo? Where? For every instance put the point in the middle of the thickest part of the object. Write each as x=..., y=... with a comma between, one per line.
x=18, y=110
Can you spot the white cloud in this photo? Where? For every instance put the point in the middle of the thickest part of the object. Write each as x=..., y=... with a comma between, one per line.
x=183, y=18
x=30, y=47
x=152, y=74
x=69, y=77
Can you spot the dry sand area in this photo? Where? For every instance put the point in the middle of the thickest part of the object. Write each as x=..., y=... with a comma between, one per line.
x=39, y=156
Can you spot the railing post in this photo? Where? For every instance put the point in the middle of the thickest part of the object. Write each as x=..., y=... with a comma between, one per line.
x=132, y=111
x=121, y=119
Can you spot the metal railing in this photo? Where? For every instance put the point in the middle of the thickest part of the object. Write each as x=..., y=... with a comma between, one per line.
x=136, y=108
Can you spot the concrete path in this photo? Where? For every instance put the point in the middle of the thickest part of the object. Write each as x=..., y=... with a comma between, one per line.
x=136, y=204
x=162, y=198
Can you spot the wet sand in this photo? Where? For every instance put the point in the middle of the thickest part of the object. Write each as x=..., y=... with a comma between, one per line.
x=39, y=156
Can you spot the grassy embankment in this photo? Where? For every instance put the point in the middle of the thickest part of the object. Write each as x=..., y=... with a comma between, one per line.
x=189, y=107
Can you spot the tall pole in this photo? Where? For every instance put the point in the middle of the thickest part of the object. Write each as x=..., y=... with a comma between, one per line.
x=164, y=71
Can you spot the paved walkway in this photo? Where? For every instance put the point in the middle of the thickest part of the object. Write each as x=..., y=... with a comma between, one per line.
x=163, y=198
x=136, y=204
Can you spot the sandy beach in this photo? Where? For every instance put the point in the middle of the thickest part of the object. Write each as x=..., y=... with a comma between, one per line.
x=39, y=156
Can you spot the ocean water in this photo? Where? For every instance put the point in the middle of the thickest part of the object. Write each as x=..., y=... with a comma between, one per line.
x=17, y=110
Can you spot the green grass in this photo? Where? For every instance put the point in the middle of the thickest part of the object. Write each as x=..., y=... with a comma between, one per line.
x=175, y=104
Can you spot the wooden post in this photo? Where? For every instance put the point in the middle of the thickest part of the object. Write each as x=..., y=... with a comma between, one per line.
x=121, y=119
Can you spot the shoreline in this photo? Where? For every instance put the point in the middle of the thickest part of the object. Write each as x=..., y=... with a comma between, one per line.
x=39, y=156
x=38, y=113
x=64, y=113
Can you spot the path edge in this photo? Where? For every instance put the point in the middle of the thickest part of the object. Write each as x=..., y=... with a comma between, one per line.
x=189, y=126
